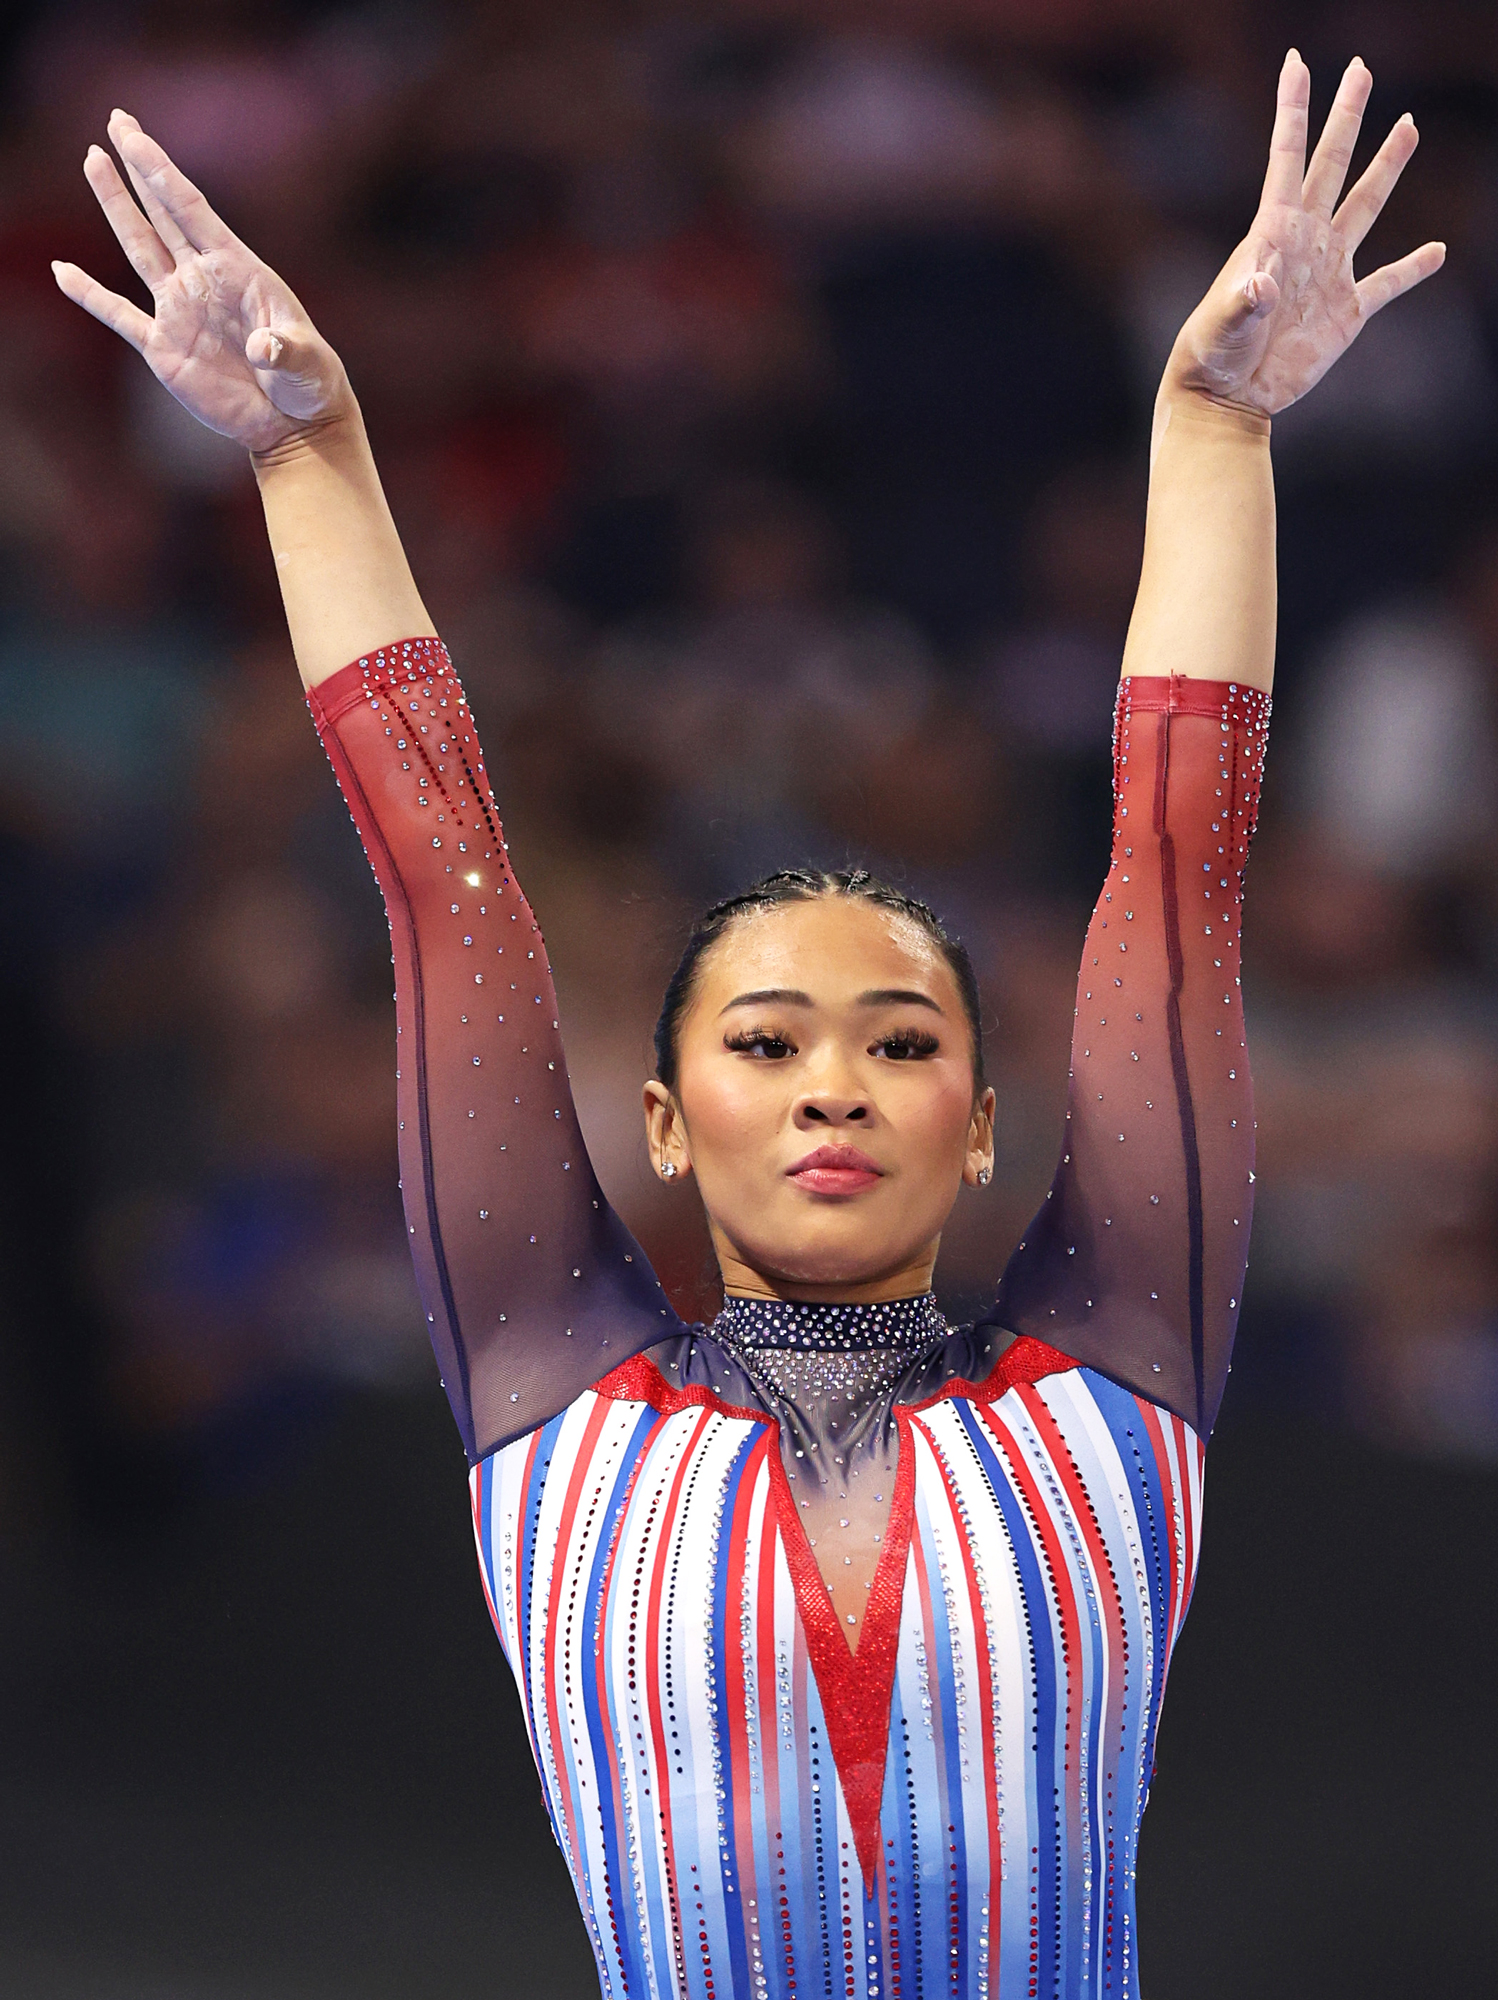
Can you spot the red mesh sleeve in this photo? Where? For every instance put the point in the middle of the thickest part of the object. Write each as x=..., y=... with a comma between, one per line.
x=1135, y=1262
x=532, y=1287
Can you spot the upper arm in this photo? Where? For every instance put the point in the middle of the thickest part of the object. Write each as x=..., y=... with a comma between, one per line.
x=1135, y=1261
x=532, y=1288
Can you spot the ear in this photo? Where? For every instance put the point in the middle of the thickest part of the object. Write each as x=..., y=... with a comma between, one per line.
x=977, y=1168
x=665, y=1132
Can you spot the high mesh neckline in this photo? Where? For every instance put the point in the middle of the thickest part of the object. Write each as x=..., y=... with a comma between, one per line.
x=906, y=1324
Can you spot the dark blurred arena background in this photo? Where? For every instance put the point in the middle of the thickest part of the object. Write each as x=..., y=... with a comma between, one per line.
x=762, y=391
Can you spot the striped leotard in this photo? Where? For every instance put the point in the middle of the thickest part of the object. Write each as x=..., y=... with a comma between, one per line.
x=759, y=1792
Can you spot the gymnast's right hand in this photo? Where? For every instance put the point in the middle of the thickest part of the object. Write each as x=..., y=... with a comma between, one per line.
x=228, y=337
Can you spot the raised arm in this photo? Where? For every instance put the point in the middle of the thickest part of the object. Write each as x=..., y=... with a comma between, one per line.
x=1135, y=1261
x=531, y=1286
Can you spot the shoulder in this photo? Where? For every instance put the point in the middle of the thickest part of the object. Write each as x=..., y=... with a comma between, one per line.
x=978, y=1362
x=688, y=1371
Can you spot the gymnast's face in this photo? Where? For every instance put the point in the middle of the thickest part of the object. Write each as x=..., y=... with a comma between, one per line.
x=824, y=1099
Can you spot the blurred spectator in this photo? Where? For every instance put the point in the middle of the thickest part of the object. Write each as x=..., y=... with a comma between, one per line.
x=762, y=396
x=769, y=705
x=1373, y=1248
x=1378, y=1116
x=1398, y=740
x=254, y=105
x=1049, y=680
x=1397, y=732
x=244, y=1233
x=867, y=130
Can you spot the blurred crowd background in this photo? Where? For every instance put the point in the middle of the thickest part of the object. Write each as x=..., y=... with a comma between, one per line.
x=762, y=390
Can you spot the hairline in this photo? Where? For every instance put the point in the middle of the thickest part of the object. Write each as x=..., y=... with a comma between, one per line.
x=799, y=893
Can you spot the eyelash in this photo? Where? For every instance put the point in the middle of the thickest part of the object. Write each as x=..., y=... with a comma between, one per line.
x=750, y=1040
x=900, y=1045
x=910, y=1042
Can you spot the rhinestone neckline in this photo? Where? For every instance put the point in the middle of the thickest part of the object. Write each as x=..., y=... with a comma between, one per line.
x=906, y=1324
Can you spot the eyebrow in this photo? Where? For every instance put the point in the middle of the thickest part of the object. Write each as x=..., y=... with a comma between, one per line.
x=792, y=996
x=785, y=996
x=897, y=996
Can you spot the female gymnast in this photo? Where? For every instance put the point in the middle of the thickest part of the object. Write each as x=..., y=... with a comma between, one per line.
x=840, y=1632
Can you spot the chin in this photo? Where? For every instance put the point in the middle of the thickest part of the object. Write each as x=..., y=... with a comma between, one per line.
x=832, y=1257
x=827, y=1272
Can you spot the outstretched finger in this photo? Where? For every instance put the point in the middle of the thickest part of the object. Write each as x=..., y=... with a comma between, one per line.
x=1287, y=144
x=1333, y=154
x=122, y=131
x=182, y=216
x=1381, y=287
x=127, y=320
x=149, y=257
x=1364, y=204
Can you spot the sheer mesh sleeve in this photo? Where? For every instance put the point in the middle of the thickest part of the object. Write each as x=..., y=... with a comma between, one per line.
x=1135, y=1262
x=532, y=1287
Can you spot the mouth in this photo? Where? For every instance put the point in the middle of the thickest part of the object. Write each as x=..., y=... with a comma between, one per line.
x=835, y=1170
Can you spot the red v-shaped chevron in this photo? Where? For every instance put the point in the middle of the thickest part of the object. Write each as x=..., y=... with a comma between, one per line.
x=855, y=1685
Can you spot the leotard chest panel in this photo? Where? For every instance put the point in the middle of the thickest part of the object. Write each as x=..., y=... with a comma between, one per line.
x=643, y=1578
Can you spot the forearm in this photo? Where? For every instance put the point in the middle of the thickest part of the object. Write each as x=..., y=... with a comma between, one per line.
x=345, y=581
x=531, y=1287
x=1134, y=1263
x=1207, y=603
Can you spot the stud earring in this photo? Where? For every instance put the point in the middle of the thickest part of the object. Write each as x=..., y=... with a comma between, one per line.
x=668, y=1171
x=985, y=1175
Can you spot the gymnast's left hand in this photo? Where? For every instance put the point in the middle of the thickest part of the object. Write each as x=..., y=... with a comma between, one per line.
x=1286, y=303
x=226, y=335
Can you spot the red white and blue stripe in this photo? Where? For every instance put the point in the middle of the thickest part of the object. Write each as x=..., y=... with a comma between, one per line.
x=654, y=1594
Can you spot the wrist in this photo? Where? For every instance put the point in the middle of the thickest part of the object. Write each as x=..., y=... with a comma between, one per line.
x=323, y=438
x=1183, y=400
x=1215, y=423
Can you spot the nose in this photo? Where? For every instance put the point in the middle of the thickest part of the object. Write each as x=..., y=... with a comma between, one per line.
x=833, y=1090
x=827, y=1107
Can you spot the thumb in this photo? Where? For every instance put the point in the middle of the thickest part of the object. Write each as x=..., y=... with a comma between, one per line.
x=297, y=370
x=283, y=351
x=1247, y=304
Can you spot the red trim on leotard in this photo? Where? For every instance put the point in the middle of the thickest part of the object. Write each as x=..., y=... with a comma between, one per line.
x=856, y=1684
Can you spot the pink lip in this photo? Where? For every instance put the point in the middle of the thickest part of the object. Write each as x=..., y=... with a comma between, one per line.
x=836, y=1170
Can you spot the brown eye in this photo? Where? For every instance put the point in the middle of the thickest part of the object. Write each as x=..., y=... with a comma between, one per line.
x=767, y=1047
x=905, y=1045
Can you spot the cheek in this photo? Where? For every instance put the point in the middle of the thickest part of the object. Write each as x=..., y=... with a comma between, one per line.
x=940, y=1115
x=731, y=1108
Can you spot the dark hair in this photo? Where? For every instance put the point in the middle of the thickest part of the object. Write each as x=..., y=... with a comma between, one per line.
x=805, y=885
